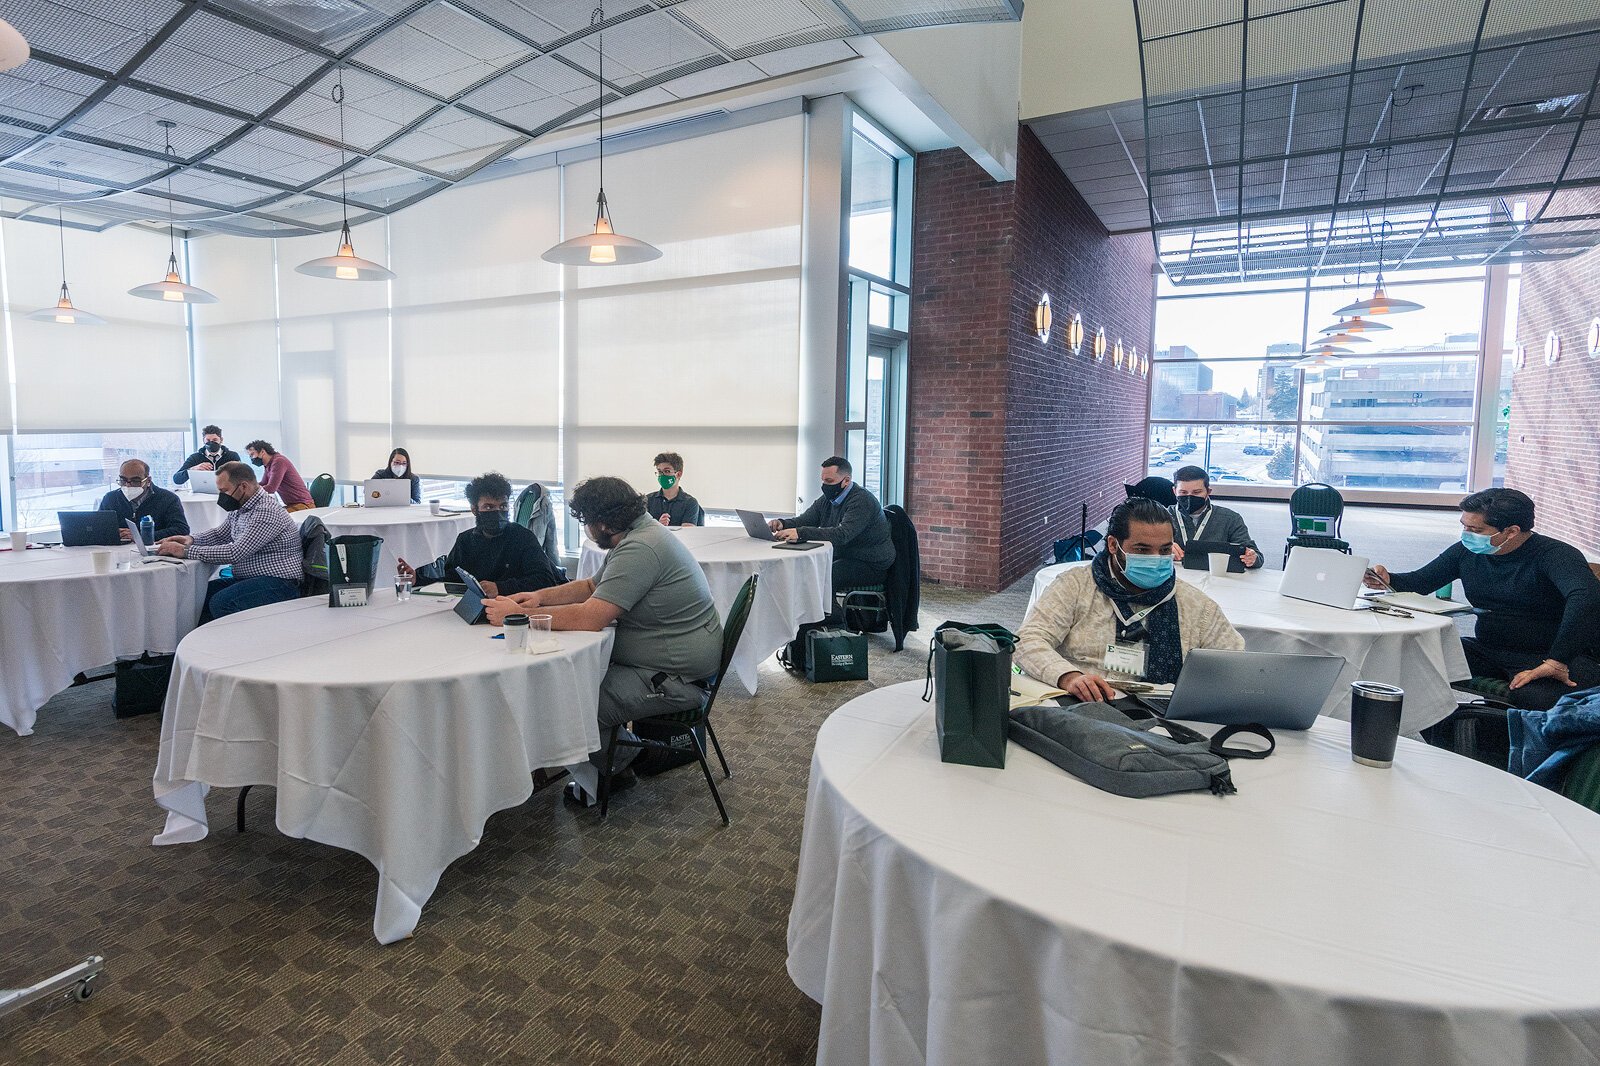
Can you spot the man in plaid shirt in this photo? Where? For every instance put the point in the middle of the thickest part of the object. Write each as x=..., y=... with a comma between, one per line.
x=258, y=539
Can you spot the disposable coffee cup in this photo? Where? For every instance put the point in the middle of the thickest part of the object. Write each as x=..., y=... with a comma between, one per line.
x=1218, y=562
x=101, y=562
x=516, y=627
x=19, y=541
x=434, y=507
x=1374, y=722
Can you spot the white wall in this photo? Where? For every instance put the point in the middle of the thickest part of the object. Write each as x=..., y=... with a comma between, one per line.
x=967, y=79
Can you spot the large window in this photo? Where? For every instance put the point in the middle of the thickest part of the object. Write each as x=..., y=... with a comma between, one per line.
x=72, y=471
x=1399, y=413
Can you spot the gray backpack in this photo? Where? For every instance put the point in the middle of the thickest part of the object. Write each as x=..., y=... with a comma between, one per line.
x=1098, y=744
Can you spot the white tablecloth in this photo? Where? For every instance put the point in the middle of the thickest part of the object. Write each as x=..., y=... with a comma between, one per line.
x=795, y=587
x=202, y=511
x=393, y=730
x=59, y=618
x=1421, y=654
x=409, y=532
x=1439, y=912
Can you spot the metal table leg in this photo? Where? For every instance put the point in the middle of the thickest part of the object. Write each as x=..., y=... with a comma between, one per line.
x=79, y=979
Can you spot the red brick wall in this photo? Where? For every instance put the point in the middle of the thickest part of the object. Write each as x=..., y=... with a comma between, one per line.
x=1006, y=437
x=1554, y=451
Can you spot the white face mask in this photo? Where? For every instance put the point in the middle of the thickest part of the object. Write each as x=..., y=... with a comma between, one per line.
x=132, y=494
x=397, y=469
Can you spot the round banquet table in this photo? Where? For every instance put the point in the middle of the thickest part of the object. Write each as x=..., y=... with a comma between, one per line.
x=59, y=618
x=795, y=587
x=1421, y=654
x=1329, y=914
x=411, y=533
x=392, y=730
x=201, y=511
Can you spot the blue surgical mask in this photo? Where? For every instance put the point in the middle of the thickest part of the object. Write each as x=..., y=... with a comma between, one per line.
x=1478, y=543
x=1147, y=571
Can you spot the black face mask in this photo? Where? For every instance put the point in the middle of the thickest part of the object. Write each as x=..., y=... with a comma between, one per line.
x=228, y=503
x=1192, y=505
x=212, y=451
x=256, y=459
x=831, y=492
x=490, y=523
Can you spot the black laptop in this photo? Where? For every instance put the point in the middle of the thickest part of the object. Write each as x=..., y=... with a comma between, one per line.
x=82, y=529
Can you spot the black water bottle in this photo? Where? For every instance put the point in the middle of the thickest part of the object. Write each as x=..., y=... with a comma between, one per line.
x=1374, y=722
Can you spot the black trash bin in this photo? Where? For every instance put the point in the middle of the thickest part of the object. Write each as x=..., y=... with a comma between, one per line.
x=352, y=569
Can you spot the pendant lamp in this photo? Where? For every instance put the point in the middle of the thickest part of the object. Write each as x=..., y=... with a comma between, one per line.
x=1381, y=303
x=1339, y=339
x=604, y=246
x=344, y=265
x=171, y=288
x=1319, y=358
x=1356, y=325
x=63, y=311
x=13, y=49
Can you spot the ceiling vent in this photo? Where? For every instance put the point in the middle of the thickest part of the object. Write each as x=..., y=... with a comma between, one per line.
x=1543, y=111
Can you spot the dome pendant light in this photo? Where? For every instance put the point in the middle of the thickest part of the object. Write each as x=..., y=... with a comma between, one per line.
x=1356, y=325
x=1381, y=303
x=344, y=265
x=1321, y=358
x=63, y=311
x=171, y=288
x=605, y=246
x=14, y=49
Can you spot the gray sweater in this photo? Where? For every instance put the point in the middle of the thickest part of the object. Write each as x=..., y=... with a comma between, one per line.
x=854, y=525
x=1221, y=526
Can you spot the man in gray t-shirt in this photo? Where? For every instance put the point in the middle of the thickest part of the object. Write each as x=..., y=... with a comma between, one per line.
x=669, y=638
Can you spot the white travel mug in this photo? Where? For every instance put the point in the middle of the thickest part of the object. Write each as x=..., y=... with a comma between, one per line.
x=101, y=562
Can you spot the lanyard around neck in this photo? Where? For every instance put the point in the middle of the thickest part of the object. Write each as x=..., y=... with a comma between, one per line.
x=1129, y=621
x=1183, y=535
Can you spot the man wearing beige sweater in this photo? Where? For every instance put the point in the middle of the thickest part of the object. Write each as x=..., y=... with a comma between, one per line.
x=1125, y=616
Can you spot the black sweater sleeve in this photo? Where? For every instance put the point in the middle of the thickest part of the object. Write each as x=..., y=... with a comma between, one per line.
x=444, y=567
x=169, y=517
x=1443, y=570
x=532, y=569
x=1569, y=572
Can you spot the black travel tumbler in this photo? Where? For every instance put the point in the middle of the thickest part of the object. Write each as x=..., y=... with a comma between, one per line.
x=1374, y=722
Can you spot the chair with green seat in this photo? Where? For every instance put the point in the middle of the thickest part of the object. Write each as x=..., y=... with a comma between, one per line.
x=681, y=722
x=322, y=490
x=1316, y=511
x=1582, y=783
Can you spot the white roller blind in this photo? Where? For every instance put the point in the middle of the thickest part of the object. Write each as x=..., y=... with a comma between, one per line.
x=334, y=360
x=236, y=339
x=131, y=373
x=477, y=329
x=697, y=352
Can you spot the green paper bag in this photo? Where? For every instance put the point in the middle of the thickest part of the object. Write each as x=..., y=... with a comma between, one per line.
x=969, y=670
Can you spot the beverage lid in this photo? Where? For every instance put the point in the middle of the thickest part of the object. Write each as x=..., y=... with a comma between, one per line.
x=1377, y=690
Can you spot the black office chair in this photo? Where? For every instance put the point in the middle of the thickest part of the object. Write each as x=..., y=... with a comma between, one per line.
x=681, y=722
x=1316, y=512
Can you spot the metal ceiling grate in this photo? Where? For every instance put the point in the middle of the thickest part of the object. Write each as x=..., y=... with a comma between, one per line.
x=435, y=90
x=1279, y=134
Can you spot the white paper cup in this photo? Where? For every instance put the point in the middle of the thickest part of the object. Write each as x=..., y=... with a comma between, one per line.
x=434, y=506
x=1218, y=561
x=19, y=541
x=101, y=562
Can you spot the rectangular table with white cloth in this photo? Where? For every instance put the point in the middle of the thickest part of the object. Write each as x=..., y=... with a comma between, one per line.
x=392, y=730
x=58, y=618
x=796, y=587
x=1439, y=912
x=1421, y=654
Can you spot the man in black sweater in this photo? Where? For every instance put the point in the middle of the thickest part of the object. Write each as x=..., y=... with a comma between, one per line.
x=210, y=455
x=135, y=497
x=850, y=518
x=505, y=558
x=1539, y=625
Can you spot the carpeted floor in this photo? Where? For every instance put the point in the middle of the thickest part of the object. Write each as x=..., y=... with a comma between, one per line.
x=657, y=937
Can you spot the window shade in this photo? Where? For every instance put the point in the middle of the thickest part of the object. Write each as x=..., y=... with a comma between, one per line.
x=696, y=352
x=477, y=329
x=131, y=373
x=236, y=340
x=333, y=349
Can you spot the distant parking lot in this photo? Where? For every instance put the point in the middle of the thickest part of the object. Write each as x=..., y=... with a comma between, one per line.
x=1221, y=449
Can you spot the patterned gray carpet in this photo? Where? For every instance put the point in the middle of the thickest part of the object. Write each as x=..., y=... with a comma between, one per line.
x=657, y=937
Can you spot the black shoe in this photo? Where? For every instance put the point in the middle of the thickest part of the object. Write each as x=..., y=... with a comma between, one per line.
x=621, y=781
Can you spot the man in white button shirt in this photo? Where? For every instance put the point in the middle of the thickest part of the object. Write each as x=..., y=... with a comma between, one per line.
x=1125, y=616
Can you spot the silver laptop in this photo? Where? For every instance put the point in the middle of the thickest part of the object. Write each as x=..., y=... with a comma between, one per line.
x=755, y=524
x=386, y=492
x=1277, y=689
x=1323, y=575
x=146, y=551
x=203, y=481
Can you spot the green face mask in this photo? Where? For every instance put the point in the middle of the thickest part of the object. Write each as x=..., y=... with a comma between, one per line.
x=666, y=481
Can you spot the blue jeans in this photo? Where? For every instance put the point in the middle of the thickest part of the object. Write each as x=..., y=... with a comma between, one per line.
x=230, y=595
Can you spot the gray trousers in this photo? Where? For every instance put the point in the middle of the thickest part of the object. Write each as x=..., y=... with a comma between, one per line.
x=630, y=692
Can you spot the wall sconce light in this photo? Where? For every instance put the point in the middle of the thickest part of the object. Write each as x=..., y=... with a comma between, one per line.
x=1100, y=344
x=1519, y=357
x=1075, y=333
x=1042, y=318
x=1133, y=359
x=1552, y=348
x=1594, y=338
x=1144, y=366
x=1117, y=355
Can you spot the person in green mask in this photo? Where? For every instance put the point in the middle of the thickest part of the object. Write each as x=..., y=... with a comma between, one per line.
x=669, y=504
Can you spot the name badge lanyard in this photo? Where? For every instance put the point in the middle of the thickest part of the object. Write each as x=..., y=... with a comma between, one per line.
x=1183, y=537
x=1130, y=627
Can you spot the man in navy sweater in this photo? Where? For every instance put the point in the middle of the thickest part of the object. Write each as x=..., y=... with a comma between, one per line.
x=1538, y=601
x=135, y=497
